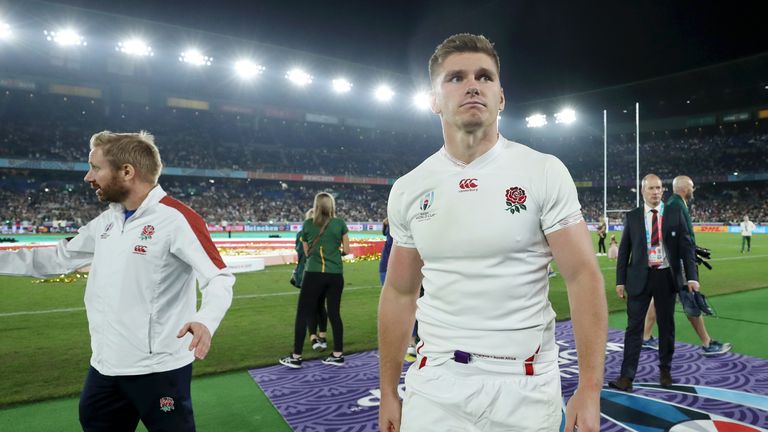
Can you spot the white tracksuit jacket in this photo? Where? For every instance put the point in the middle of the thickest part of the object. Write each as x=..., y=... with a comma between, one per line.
x=141, y=288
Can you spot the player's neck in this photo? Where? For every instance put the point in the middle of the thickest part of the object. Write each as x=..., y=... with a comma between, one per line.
x=468, y=146
x=137, y=196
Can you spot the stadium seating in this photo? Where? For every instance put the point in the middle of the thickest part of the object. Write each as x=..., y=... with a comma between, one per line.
x=57, y=128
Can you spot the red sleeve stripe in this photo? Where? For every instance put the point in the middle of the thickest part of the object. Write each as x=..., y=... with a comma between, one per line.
x=198, y=227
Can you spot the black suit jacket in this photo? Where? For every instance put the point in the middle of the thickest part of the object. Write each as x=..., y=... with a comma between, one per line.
x=632, y=266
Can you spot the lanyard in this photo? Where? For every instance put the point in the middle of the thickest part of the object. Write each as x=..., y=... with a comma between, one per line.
x=648, y=228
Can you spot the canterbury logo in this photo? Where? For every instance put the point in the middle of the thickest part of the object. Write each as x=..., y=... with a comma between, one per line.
x=139, y=249
x=468, y=184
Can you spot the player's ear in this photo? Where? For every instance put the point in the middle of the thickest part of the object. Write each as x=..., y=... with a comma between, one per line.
x=433, y=102
x=127, y=171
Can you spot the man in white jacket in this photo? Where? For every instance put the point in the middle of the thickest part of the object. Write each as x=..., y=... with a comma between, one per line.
x=746, y=233
x=146, y=253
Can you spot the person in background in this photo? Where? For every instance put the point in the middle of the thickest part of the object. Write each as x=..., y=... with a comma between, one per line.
x=325, y=240
x=683, y=188
x=746, y=233
x=613, y=248
x=148, y=252
x=655, y=249
x=317, y=334
x=602, y=232
x=385, y=251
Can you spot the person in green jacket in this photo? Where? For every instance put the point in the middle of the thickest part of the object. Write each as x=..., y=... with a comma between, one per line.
x=682, y=188
x=325, y=241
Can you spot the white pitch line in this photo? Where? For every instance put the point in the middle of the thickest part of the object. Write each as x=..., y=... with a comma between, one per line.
x=244, y=296
x=49, y=311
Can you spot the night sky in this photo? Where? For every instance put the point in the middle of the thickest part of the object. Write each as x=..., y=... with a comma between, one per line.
x=547, y=48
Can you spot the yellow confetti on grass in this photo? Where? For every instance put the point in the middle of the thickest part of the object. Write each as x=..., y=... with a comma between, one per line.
x=65, y=278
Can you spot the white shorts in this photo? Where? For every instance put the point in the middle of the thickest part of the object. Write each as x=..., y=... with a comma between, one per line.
x=455, y=397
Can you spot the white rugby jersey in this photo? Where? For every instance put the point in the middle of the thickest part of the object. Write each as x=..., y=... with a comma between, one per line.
x=480, y=230
x=141, y=288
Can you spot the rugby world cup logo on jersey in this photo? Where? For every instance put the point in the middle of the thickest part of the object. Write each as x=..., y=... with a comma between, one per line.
x=425, y=203
x=468, y=185
x=147, y=232
x=427, y=200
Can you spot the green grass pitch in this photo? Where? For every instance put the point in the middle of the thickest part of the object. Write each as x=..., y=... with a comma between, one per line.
x=45, y=347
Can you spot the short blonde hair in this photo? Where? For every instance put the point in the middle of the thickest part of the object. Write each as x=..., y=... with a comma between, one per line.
x=462, y=43
x=135, y=149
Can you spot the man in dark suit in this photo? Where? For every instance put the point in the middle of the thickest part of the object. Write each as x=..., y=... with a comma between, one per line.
x=682, y=188
x=655, y=246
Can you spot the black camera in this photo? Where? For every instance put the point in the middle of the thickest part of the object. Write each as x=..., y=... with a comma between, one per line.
x=703, y=254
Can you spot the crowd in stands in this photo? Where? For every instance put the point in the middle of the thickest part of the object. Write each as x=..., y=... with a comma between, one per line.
x=38, y=127
x=38, y=198
x=52, y=127
x=58, y=128
x=44, y=198
x=712, y=154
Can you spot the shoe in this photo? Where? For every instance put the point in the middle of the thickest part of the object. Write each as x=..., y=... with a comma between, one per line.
x=291, y=361
x=665, y=378
x=716, y=347
x=333, y=360
x=621, y=383
x=411, y=351
x=651, y=343
x=319, y=344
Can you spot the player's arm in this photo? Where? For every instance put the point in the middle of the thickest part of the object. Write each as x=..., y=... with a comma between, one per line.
x=67, y=256
x=193, y=245
x=572, y=249
x=397, y=309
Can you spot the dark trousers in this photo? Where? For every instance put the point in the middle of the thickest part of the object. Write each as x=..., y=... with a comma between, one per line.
x=314, y=288
x=748, y=241
x=601, y=245
x=321, y=319
x=162, y=401
x=660, y=286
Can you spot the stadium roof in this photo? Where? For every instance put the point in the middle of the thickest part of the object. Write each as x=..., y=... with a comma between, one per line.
x=554, y=54
x=548, y=48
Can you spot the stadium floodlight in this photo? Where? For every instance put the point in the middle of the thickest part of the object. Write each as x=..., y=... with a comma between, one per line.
x=195, y=58
x=65, y=37
x=536, y=120
x=384, y=93
x=422, y=100
x=298, y=77
x=135, y=47
x=566, y=116
x=247, y=69
x=5, y=31
x=341, y=85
